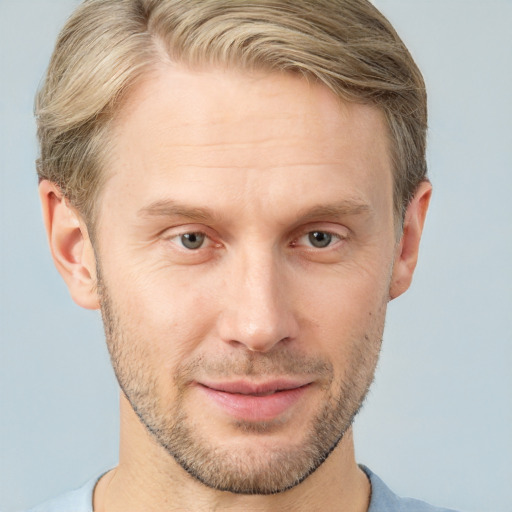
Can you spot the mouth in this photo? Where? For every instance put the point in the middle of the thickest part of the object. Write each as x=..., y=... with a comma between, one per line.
x=243, y=387
x=255, y=402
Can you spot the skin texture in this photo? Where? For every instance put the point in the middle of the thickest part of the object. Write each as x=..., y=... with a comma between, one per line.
x=253, y=165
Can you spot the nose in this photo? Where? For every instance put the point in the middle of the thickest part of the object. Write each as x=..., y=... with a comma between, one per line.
x=258, y=312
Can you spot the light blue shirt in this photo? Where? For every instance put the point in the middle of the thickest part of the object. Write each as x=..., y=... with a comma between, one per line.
x=382, y=499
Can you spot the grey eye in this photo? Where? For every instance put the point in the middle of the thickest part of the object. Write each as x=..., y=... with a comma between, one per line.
x=192, y=240
x=319, y=239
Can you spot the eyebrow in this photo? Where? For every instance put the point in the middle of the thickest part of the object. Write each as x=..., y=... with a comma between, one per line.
x=343, y=208
x=172, y=208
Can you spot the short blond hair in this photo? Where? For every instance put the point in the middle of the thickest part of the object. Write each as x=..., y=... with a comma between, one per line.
x=107, y=45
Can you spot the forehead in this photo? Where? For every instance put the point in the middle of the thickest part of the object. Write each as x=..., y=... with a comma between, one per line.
x=196, y=104
x=238, y=134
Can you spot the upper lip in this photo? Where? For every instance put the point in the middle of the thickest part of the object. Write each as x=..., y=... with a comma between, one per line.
x=245, y=387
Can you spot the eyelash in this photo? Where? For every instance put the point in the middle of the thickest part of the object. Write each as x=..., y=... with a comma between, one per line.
x=333, y=239
x=180, y=236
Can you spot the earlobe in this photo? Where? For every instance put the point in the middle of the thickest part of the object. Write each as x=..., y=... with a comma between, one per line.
x=71, y=248
x=406, y=255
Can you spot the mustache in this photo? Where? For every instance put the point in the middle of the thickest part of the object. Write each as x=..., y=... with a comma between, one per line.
x=278, y=363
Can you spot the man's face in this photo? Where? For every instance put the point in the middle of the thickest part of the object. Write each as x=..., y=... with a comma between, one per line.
x=245, y=246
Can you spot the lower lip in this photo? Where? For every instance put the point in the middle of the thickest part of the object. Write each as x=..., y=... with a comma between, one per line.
x=255, y=408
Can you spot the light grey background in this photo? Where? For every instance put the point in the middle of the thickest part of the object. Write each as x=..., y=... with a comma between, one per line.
x=438, y=423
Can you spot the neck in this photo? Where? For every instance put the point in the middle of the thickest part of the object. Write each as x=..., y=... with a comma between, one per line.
x=148, y=478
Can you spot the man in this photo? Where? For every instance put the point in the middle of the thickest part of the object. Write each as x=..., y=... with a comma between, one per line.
x=241, y=188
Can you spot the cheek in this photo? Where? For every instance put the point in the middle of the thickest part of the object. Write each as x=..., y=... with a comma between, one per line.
x=348, y=295
x=165, y=312
x=345, y=310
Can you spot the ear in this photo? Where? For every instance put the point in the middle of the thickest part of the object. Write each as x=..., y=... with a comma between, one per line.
x=71, y=248
x=406, y=254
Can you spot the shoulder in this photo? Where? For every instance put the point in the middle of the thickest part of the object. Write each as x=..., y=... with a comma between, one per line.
x=79, y=500
x=384, y=499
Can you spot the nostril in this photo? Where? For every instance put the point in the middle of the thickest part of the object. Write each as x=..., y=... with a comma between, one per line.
x=264, y=346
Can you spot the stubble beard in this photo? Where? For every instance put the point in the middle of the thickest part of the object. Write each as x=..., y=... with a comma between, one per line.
x=223, y=468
